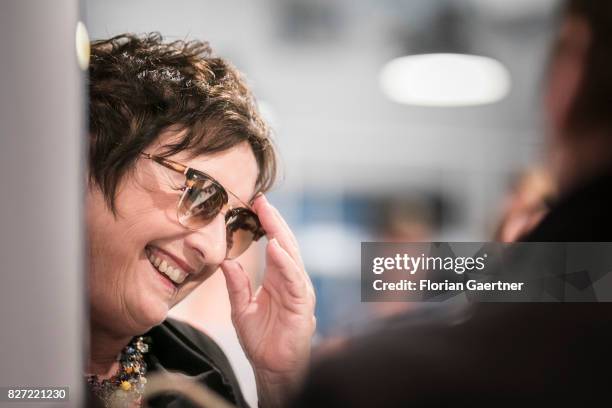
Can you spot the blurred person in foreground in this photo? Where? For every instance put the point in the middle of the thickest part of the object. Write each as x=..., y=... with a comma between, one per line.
x=504, y=354
x=178, y=159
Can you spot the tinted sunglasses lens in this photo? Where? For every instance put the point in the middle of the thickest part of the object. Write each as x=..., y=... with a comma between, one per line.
x=200, y=203
x=243, y=228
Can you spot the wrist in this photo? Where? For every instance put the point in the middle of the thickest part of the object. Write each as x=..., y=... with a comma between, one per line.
x=274, y=389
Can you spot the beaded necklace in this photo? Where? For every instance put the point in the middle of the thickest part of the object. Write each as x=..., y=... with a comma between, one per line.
x=125, y=388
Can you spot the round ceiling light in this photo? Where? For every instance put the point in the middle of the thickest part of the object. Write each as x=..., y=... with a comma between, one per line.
x=445, y=80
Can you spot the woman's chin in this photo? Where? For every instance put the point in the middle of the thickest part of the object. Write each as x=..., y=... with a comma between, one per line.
x=152, y=315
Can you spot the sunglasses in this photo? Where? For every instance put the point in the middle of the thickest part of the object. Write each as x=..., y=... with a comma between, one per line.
x=203, y=198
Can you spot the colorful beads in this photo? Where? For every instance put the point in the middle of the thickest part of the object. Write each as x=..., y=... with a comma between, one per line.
x=124, y=389
x=141, y=345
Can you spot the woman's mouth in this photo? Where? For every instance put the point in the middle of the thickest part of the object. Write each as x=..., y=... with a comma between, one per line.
x=166, y=266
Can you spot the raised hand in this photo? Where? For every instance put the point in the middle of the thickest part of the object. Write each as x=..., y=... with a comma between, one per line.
x=274, y=325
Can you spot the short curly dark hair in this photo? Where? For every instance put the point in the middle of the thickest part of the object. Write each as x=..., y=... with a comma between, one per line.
x=140, y=86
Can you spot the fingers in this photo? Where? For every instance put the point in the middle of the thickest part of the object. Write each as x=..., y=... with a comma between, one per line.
x=296, y=281
x=263, y=200
x=281, y=261
x=276, y=227
x=278, y=257
x=238, y=285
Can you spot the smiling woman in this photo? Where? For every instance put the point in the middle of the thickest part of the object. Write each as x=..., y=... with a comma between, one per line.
x=178, y=158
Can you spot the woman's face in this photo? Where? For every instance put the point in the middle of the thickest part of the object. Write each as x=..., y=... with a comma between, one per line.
x=128, y=294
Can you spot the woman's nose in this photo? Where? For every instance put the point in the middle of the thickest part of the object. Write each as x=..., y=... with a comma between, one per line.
x=210, y=241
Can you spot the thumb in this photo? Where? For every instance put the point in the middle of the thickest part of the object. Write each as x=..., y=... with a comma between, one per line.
x=238, y=285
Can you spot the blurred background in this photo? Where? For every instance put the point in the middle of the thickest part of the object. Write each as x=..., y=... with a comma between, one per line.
x=357, y=165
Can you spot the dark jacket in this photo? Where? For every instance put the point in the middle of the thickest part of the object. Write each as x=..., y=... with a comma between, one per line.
x=176, y=346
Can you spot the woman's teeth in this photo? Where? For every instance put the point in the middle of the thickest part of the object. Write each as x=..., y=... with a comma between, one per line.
x=176, y=274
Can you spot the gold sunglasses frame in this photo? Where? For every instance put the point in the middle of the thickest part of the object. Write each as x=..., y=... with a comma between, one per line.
x=227, y=210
